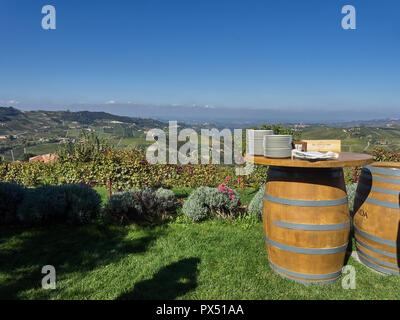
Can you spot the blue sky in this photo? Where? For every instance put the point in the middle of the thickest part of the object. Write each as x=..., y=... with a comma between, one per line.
x=263, y=54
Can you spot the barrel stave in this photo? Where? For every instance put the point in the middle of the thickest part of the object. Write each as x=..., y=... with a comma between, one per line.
x=306, y=263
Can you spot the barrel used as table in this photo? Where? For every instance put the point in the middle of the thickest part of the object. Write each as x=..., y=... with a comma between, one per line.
x=306, y=218
x=306, y=223
x=377, y=217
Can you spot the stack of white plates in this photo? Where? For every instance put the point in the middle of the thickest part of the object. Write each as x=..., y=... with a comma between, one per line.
x=255, y=140
x=278, y=146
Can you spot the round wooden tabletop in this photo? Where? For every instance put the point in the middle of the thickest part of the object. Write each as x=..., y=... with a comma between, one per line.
x=346, y=159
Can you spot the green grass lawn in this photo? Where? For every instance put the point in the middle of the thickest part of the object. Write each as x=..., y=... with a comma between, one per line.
x=179, y=260
x=210, y=260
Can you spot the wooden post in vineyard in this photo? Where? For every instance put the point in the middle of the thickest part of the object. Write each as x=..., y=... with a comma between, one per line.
x=109, y=188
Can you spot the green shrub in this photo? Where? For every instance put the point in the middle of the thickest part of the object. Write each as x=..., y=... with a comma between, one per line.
x=83, y=203
x=148, y=199
x=351, y=193
x=141, y=205
x=11, y=195
x=256, y=204
x=69, y=204
x=206, y=202
x=195, y=209
x=45, y=205
x=166, y=201
x=123, y=207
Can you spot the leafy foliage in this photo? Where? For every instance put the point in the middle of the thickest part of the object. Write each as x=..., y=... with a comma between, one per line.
x=88, y=147
x=127, y=169
x=11, y=195
x=351, y=193
x=167, y=203
x=83, y=203
x=47, y=205
x=279, y=129
x=206, y=202
x=384, y=154
x=256, y=204
x=140, y=205
x=123, y=208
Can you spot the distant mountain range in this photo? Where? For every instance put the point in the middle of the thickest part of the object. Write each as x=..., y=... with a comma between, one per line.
x=377, y=123
x=14, y=121
x=230, y=117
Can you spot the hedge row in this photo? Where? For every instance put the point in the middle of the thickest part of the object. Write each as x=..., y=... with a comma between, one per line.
x=47, y=205
x=127, y=169
x=384, y=154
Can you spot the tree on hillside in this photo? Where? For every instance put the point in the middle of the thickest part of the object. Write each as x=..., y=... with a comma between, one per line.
x=26, y=156
x=85, y=148
x=279, y=129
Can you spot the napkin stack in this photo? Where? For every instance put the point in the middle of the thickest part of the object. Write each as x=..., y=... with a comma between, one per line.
x=314, y=155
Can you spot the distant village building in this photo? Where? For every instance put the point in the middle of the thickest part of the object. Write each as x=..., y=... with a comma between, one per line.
x=383, y=142
x=50, y=157
x=64, y=140
x=300, y=126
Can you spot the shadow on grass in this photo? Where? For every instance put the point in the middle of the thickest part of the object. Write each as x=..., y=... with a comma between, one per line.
x=68, y=249
x=169, y=283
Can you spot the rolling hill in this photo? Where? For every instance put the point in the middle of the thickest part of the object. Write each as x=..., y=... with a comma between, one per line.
x=24, y=133
x=38, y=132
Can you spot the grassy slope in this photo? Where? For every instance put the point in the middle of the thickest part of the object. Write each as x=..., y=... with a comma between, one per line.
x=33, y=125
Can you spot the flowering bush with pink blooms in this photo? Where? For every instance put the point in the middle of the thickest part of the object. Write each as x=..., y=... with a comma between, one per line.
x=228, y=191
x=206, y=202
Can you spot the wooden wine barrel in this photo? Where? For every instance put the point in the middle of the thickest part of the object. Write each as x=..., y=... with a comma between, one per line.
x=377, y=217
x=306, y=223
